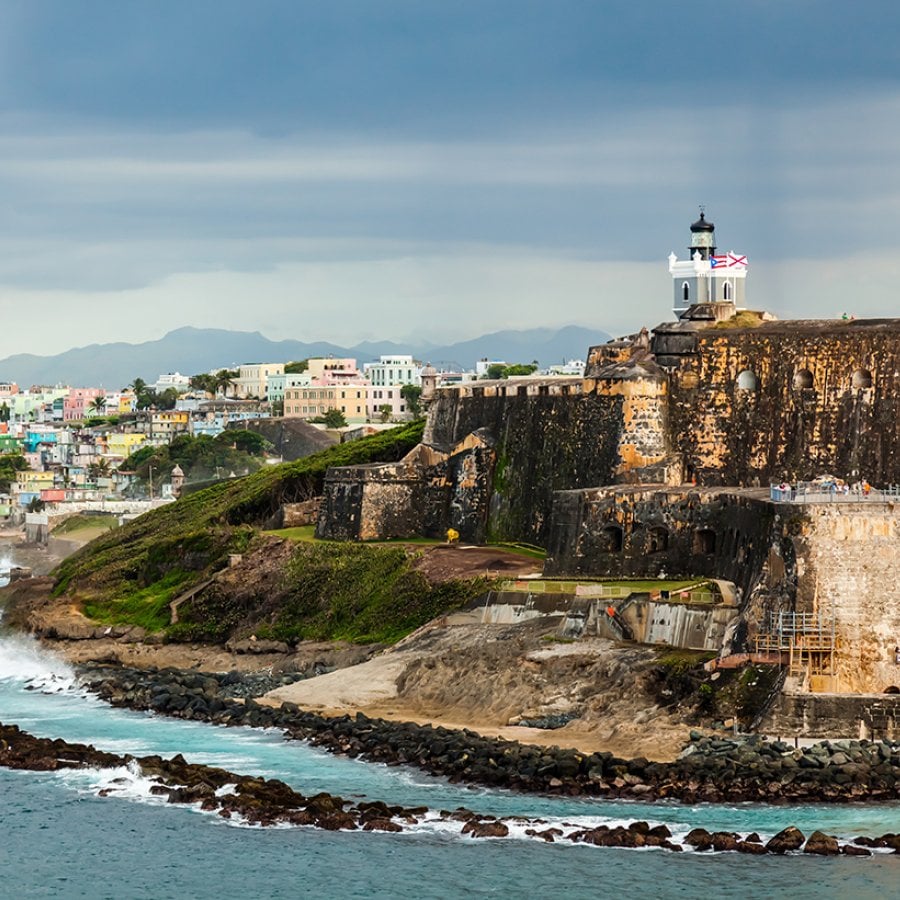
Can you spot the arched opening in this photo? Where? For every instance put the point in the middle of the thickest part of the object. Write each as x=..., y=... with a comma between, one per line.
x=747, y=381
x=726, y=290
x=803, y=379
x=704, y=541
x=861, y=379
x=686, y=292
x=657, y=539
x=892, y=689
x=611, y=539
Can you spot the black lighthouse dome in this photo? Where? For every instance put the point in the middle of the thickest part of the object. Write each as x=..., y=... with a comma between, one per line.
x=702, y=225
x=703, y=238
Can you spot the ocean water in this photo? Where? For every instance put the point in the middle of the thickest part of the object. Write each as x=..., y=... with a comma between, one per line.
x=60, y=839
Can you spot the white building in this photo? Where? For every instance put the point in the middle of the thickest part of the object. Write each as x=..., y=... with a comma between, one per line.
x=172, y=380
x=391, y=370
x=482, y=366
x=570, y=367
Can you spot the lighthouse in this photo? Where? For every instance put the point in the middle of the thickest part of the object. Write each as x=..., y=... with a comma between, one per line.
x=707, y=284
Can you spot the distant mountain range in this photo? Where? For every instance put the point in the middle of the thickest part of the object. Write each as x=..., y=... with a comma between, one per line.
x=194, y=350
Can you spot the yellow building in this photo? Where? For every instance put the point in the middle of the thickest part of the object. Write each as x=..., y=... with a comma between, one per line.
x=316, y=400
x=33, y=482
x=168, y=422
x=124, y=444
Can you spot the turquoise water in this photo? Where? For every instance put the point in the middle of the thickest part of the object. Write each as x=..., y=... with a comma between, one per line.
x=61, y=840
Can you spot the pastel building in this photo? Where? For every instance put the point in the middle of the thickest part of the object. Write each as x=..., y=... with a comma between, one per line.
x=315, y=400
x=166, y=423
x=124, y=444
x=280, y=382
x=391, y=370
x=77, y=404
x=252, y=380
x=331, y=370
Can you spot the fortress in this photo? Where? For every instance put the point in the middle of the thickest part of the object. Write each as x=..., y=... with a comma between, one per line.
x=661, y=458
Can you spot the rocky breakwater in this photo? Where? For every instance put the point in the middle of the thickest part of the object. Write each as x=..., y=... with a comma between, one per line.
x=265, y=802
x=710, y=769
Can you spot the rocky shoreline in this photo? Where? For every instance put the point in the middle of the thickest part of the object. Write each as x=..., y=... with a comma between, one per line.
x=709, y=770
x=269, y=802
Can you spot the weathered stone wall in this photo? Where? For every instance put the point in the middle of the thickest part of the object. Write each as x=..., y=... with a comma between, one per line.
x=835, y=559
x=543, y=442
x=815, y=397
x=850, y=560
x=853, y=716
x=649, y=532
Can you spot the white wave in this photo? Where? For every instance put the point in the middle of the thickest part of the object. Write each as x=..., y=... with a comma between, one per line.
x=23, y=659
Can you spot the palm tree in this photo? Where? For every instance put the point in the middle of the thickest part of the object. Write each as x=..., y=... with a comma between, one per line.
x=224, y=380
x=98, y=405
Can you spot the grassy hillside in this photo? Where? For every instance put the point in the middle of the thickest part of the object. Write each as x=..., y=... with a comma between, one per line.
x=170, y=548
x=325, y=591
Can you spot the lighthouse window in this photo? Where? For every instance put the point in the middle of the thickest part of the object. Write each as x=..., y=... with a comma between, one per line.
x=727, y=291
x=686, y=292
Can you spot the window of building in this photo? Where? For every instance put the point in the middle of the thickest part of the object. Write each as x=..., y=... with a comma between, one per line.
x=657, y=539
x=726, y=292
x=861, y=379
x=747, y=381
x=803, y=379
x=611, y=539
x=704, y=541
x=685, y=292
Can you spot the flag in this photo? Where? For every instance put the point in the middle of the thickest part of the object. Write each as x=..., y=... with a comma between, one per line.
x=717, y=262
x=737, y=262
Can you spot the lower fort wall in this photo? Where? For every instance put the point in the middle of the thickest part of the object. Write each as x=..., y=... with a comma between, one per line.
x=837, y=560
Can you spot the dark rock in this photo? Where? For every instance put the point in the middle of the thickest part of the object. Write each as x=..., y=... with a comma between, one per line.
x=821, y=844
x=485, y=829
x=786, y=841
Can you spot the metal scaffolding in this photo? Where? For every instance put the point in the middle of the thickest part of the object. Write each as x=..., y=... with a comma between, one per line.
x=807, y=639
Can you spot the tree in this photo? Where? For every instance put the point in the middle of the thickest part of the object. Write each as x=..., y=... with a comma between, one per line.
x=497, y=371
x=225, y=378
x=333, y=418
x=98, y=405
x=412, y=394
x=204, y=382
x=4, y=412
x=246, y=441
x=295, y=368
x=520, y=369
x=166, y=399
x=98, y=469
x=384, y=411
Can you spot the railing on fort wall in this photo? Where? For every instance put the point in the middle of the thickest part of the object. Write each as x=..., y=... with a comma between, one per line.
x=831, y=492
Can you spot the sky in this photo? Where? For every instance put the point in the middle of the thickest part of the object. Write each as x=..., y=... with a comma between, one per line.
x=368, y=169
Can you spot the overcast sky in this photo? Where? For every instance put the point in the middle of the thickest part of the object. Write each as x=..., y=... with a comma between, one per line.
x=374, y=169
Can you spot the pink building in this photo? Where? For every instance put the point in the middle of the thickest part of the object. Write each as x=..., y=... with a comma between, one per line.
x=77, y=404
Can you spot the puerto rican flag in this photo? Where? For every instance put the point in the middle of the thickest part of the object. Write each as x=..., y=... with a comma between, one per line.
x=728, y=261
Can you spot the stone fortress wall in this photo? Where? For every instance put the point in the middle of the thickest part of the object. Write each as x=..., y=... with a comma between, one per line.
x=658, y=461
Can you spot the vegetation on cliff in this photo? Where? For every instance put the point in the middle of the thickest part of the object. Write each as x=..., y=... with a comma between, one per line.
x=184, y=542
x=327, y=591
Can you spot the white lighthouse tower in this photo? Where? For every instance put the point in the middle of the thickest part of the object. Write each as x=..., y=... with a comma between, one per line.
x=706, y=283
